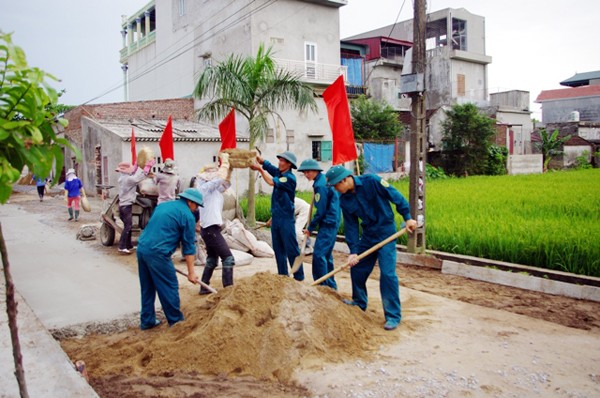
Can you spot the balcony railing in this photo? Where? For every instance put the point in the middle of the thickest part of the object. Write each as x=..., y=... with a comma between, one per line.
x=312, y=72
x=137, y=45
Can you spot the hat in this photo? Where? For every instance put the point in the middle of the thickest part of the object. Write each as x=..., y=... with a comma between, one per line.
x=70, y=171
x=192, y=194
x=169, y=166
x=125, y=167
x=336, y=174
x=309, y=164
x=290, y=157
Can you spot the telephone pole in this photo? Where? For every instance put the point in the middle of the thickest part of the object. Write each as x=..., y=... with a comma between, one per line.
x=418, y=139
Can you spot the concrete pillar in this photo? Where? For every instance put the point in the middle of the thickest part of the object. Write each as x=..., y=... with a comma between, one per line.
x=138, y=29
x=147, y=22
x=130, y=34
x=124, y=36
x=124, y=67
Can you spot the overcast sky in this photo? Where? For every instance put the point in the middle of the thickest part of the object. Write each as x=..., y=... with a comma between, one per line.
x=534, y=44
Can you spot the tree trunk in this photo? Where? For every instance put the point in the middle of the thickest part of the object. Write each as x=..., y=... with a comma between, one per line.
x=11, y=310
x=251, y=217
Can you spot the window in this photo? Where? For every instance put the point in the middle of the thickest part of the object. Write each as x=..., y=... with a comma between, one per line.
x=310, y=60
x=270, y=136
x=460, y=85
x=289, y=136
x=321, y=150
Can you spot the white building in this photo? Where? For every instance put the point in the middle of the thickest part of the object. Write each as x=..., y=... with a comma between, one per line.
x=167, y=44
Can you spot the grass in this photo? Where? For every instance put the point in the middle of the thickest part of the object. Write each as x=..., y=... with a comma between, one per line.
x=550, y=220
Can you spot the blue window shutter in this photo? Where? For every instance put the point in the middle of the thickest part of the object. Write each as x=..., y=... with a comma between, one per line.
x=326, y=154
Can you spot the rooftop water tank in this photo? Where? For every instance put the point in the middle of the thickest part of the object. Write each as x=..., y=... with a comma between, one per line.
x=574, y=116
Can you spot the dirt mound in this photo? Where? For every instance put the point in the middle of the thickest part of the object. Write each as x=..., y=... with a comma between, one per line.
x=263, y=327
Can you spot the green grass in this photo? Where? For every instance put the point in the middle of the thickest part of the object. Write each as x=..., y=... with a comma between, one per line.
x=550, y=220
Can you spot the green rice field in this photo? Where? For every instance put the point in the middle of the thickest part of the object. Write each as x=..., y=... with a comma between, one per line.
x=549, y=220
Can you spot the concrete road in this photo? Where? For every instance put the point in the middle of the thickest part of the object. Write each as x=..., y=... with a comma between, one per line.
x=63, y=280
x=60, y=282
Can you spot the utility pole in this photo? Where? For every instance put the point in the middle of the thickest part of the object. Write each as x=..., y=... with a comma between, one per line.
x=418, y=139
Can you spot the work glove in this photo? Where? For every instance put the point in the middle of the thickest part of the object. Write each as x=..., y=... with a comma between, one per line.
x=149, y=165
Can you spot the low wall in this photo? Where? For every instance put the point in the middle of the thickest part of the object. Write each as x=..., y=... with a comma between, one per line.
x=524, y=164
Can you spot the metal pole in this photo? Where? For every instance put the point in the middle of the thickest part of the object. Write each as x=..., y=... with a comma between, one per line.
x=418, y=139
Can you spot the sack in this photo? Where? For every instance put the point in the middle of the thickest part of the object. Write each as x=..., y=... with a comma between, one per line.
x=262, y=249
x=240, y=158
x=148, y=187
x=85, y=204
x=143, y=156
x=242, y=258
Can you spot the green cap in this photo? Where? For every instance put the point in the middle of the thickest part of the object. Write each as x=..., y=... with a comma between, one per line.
x=194, y=195
x=337, y=174
x=290, y=157
x=309, y=164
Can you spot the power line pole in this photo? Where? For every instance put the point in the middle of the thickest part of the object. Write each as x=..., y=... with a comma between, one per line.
x=418, y=139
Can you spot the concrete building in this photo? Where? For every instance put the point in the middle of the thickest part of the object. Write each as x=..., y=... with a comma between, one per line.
x=167, y=44
x=456, y=58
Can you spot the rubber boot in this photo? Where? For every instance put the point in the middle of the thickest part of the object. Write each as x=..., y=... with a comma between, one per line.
x=209, y=268
x=76, y=215
x=227, y=276
x=70, y=209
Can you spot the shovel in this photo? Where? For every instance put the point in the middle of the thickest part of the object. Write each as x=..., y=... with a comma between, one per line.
x=204, y=285
x=361, y=256
x=298, y=261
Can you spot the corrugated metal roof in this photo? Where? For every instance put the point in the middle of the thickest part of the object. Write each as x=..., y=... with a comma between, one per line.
x=151, y=130
x=564, y=93
x=581, y=79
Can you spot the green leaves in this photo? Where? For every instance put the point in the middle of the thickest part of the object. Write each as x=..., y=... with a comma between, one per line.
x=466, y=140
x=374, y=119
x=28, y=122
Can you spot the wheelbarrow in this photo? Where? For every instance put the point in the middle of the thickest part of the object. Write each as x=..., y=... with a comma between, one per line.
x=141, y=212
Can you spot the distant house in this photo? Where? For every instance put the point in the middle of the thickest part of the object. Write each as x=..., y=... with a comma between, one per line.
x=580, y=103
x=575, y=111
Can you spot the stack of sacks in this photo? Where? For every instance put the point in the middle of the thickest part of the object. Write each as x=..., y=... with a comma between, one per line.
x=239, y=238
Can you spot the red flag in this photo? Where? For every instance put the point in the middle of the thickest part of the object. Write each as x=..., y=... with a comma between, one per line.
x=166, y=141
x=133, y=153
x=227, y=130
x=338, y=111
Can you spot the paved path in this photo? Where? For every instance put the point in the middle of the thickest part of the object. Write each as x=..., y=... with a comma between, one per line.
x=63, y=280
x=60, y=282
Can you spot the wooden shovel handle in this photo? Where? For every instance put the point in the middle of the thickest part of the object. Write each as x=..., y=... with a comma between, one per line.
x=361, y=256
x=298, y=260
x=204, y=285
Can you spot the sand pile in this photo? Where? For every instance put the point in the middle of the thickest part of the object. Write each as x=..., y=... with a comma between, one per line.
x=264, y=326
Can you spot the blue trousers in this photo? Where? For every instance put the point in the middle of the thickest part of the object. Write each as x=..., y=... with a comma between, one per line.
x=322, y=261
x=285, y=246
x=388, y=280
x=157, y=276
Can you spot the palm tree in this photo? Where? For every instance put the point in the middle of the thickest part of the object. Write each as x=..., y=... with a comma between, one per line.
x=257, y=89
x=550, y=145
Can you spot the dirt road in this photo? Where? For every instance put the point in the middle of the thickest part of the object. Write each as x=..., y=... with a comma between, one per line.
x=458, y=338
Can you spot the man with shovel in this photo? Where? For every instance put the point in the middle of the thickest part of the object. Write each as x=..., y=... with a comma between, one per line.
x=171, y=223
x=283, y=181
x=327, y=219
x=368, y=198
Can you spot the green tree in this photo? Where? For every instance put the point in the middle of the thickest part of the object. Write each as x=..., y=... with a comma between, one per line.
x=27, y=138
x=466, y=137
x=257, y=89
x=374, y=119
x=550, y=145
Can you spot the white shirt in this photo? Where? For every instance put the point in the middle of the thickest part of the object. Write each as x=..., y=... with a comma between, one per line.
x=212, y=196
